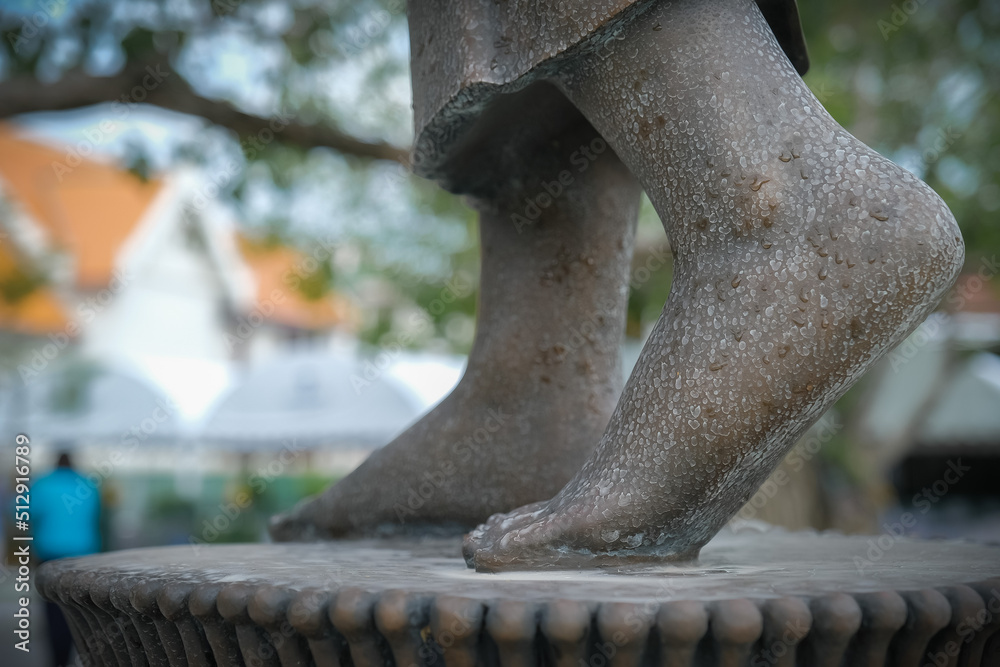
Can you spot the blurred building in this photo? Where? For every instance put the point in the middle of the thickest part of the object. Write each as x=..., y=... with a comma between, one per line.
x=140, y=326
x=124, y=297
x=931, y=419
x=88, y=244
x=291, y=300
x=109, y=264
x=939, y=391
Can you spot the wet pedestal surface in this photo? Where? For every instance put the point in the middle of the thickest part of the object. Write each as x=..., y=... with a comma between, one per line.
x=753, y=598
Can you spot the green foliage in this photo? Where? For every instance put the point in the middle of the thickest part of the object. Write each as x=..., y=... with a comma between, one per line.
x=19, y=283
x=310, y=484
x=917, y=80
x=168, y=506
x=227, y=509
x=317, y=284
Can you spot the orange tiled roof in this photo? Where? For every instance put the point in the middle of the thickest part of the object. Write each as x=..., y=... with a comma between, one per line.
x=88, y=210
x=274, y=266
x=38, y=312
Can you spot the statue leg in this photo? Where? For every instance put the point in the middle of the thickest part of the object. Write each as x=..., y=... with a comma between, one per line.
x=557, y=221
x=801, y=257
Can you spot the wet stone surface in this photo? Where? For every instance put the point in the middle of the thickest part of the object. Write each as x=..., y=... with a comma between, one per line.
x=823, y=598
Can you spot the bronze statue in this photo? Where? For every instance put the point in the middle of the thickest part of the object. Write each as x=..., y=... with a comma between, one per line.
x=801, y=256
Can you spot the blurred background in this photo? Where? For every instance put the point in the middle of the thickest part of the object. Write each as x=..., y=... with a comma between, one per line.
x=219, y=281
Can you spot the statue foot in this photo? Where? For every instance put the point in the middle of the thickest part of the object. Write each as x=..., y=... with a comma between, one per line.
x=544, y=373
x=801, y=258
x=566, y=536
x=443, y=475
x=723, y=390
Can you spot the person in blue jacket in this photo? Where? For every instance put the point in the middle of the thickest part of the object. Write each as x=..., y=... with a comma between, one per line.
x=65, y=518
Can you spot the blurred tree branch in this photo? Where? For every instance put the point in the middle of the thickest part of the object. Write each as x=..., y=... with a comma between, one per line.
x=160, y=85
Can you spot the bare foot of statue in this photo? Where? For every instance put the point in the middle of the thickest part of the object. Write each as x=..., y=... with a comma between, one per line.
x=801, y=257
x=557, y=220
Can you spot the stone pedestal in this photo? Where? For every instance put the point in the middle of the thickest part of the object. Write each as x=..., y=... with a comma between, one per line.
x=753, y=598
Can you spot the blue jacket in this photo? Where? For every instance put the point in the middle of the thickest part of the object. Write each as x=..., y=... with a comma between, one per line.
x=65, y=515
